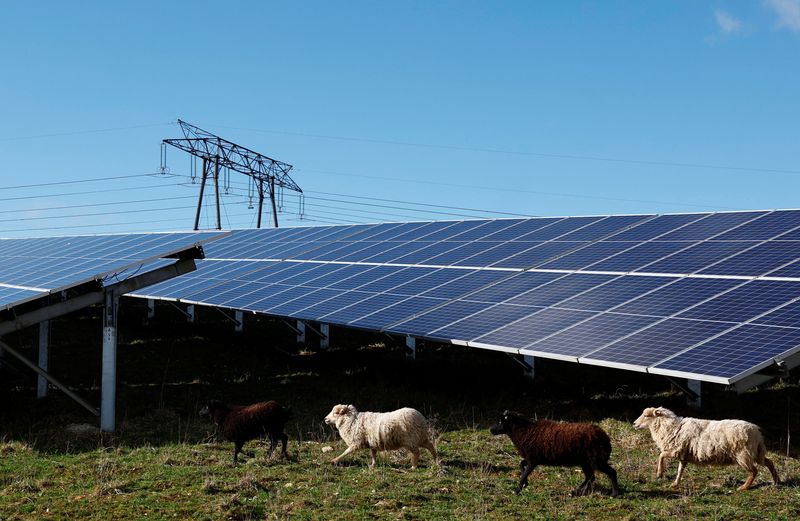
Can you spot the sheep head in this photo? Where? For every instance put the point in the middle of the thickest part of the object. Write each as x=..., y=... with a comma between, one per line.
x=339, y=412
x=211, y=407
x=507, y=420
x=650, y=415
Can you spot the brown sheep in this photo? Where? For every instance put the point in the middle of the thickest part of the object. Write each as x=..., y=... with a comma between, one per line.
x=545, y=442
x=705, y=442
x=242, y=423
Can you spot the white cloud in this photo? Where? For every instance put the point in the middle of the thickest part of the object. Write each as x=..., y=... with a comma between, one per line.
x=727, y=23
x=788, y=12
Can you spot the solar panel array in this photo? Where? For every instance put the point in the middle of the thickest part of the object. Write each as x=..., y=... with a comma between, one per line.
x=711, y=296
x=32, y=268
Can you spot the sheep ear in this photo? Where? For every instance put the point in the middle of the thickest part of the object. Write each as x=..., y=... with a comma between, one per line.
x=658, y=412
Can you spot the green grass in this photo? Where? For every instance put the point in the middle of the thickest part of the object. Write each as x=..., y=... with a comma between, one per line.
x=166, y=463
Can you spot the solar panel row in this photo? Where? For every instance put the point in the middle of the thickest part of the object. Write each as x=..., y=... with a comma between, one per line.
x=656, y=293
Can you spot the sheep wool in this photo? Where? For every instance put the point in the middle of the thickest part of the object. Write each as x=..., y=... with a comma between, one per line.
x=379, y=431
x=705, y=442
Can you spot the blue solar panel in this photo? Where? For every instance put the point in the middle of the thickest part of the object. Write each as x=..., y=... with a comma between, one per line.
x=372, y=273
x=792, y=270
x=512, y=286
x=399, y=312
x=587, y=256
x=759, y=260
x=325, y=307
x=398, y=277
x=487, y=320
x=736, y=352
x=786, y=316
x=697, y=257
x=255, y=296
x=298, y=298
x=537, y=254
x=592, y=334
x=710, y=226
x=390, y=231
x=560, y=289
x=677, y=296
x=657, y=342
x=428, y=281
x=339, y=278
x=558, y=229
x=746, y=302
x=483, y=232
x=534, y=327
x=9, y=296
x=604, y=227
x=767, y=227
x=614, y=293
x=421, y=256
x=469, y=281
x=427, y=322
x=639, y=257
x=362, y=308
x=656, y=227
x=314, y=275
x=453, y=232
x=376, y=252
x=520, y=230
x=461, y=253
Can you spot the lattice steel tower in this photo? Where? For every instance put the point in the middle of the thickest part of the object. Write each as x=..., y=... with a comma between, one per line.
x=216, y=152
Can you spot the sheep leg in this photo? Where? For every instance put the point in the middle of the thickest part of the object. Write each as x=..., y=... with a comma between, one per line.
x=284, y=442
x=347, y=451
x=771, y=466
x=432, y=449
x=523, y=479
x=585, y=487
x=750, y=478
x=374, y=453
x=681, y=467
x=237, y=448
x=414, y=457
x=661, y=467
x=609, y=471
x=272, y=444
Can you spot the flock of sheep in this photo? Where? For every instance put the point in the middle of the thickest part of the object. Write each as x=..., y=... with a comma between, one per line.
x=539, y=442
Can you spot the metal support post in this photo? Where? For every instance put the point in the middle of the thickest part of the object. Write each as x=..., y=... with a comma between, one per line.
x=325, y=338
x=216, y=191
x=301, y=332
x=44, y=343
x=190, y=313
x=260, y=201
x=200, y=199
x=411, y=347
x=151, y=308
x=272, y=199
x=694, y=386
x=530, y=363
x=239, y=316
x=108, y=386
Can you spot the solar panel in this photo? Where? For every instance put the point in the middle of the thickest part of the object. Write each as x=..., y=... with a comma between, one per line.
x=644, y=292
x=32, y=268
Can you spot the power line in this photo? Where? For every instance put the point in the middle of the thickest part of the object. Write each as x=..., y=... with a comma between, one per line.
x=97, y=204
x=79, y=132
x=76, y=181
x=521, y=153
x=109, y=190
x=521, y=190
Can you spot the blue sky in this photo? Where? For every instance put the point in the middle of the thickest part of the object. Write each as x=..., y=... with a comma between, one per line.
x=495, y=106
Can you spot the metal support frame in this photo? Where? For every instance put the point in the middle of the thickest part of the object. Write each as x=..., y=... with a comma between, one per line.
x=529, y=366
x=411, y=347
x=83, y=403
x=696, y=387
x=239, y=321
x=190, y=317
x=324, y=338
x=687, y=390
x=301, y=332
x=44, y=358
x=108, y=384
x=151, y=308
x=89, y=294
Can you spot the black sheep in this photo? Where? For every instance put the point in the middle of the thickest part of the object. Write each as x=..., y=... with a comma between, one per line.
x=545, y=442
x=242, y=423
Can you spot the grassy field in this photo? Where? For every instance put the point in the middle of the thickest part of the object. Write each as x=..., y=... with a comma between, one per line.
x=166, y=463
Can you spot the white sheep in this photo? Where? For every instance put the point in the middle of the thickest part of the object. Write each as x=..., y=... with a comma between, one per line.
x=404, y=428
x=705, y=442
